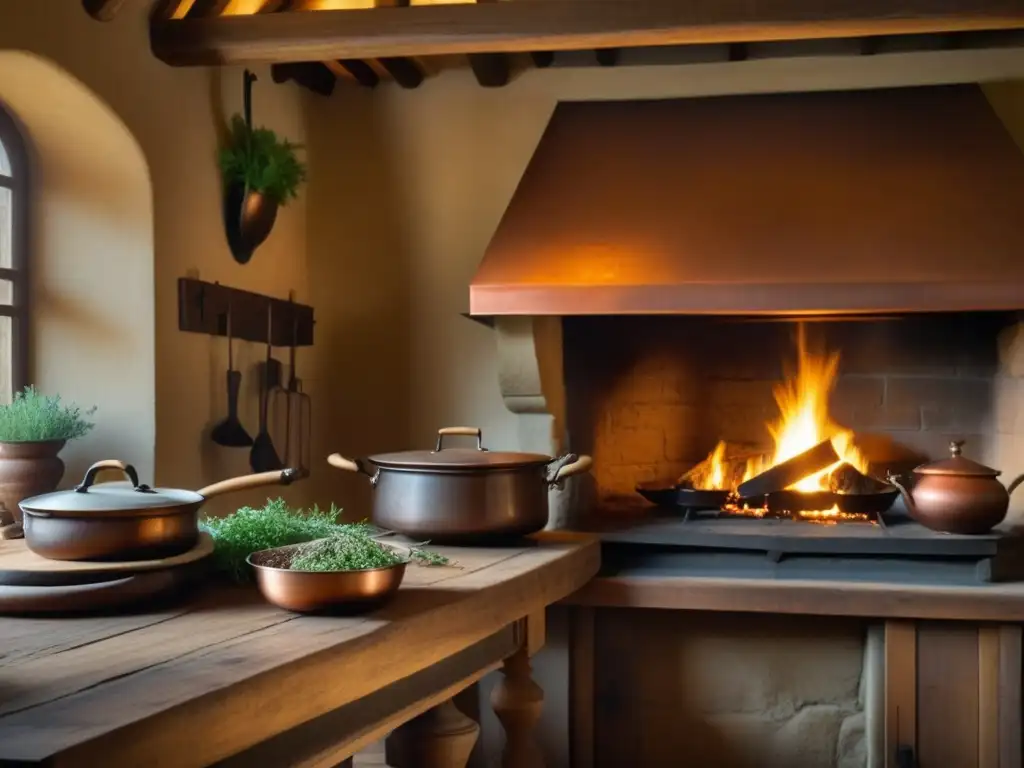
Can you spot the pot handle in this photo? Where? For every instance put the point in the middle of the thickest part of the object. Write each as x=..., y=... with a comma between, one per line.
x=462, y=432
x=1013, y=486
x=95, y=469
x=569, y=465
x=338, y=461
x=275, y=477
x=908, y=500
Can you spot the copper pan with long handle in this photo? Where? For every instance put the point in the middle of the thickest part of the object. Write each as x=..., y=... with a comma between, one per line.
x=125, y=520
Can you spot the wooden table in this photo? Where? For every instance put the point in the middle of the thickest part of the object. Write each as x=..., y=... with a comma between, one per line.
x=229, y=678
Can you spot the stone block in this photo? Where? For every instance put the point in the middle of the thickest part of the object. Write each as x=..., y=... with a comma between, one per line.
x=883, y=417
x=851, y=750
x=1011, y=350
x=937, y=392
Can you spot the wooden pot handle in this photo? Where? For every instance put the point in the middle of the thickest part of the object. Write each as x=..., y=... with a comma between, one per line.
x=99, y=466
x=578, y=467
x=275, y=477
x=460, y=432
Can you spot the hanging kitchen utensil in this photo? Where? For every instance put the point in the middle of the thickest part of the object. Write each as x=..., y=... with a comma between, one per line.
x=230, y=433
x=293, y=414
x=249, y=215
x=124, y=521
x=263, y=456
x=462, y=494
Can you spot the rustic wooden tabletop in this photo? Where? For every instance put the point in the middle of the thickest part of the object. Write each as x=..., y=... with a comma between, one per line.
x=199, y=682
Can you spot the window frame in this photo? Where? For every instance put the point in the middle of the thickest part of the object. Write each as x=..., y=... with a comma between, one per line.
x=13, y=139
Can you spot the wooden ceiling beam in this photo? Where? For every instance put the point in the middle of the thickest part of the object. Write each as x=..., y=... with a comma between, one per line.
x=491, y=70
x=313, y=75
x=102, y=10
x=406, y=72
x=548, y=25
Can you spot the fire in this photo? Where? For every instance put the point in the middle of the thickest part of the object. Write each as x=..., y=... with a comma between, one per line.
x=803, y=423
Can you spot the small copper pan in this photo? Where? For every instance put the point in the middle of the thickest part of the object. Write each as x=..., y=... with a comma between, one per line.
x=322, y=591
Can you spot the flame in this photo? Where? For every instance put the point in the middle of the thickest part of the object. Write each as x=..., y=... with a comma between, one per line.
x=803, y=423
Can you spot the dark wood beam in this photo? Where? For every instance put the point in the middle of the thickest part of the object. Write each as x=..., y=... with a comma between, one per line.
x=542, y=59
x=505, y=27
x=491, y=70
x=607, y=57
x=311, y=75
x=102, y=10
x=738, y=52
x=361, y=71
x=206, y=8
x=405, y=71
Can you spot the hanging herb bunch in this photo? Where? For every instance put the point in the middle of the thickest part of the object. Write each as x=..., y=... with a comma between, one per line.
x=261, y=172
x=259, y=161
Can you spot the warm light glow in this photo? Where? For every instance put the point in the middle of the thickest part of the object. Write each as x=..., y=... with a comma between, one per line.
x=803, y=423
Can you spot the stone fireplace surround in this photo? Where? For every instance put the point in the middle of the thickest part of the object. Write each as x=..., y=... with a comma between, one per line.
x=647, y=396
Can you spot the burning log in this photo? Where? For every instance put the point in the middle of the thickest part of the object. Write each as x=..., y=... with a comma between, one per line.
x=722, y=470
x=789, y=472
x=849, y=481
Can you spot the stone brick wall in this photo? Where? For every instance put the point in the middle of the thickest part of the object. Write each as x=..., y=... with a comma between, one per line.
x=649, y=396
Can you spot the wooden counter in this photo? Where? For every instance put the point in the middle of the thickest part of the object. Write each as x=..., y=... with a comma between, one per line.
x=199, y=683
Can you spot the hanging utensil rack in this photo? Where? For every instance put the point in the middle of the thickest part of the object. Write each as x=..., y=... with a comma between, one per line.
x=203, y=308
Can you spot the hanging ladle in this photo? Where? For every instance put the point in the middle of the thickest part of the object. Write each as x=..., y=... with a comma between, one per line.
x=230, y=433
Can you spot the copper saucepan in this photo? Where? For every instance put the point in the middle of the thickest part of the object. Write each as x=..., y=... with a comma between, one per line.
x=124, y=521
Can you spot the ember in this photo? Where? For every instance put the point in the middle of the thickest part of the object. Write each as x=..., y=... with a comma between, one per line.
x=803, y=429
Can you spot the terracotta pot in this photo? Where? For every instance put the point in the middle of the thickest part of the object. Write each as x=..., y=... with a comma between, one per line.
x=27, y=469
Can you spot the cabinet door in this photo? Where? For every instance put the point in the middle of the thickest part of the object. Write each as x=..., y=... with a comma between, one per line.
x=952, y=695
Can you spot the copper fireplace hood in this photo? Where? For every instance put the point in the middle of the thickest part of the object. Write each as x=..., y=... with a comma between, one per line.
x=882, y=201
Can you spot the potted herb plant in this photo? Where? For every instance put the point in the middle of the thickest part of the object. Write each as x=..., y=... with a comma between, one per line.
x=33, y=430
x=261, y=172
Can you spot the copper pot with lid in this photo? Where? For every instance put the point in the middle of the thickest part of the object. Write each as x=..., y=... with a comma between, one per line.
x=462, y=495
x=957, y=495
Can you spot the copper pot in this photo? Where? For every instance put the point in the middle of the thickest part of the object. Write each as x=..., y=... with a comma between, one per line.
x=462, y=495
x=124, y=521
x=957, y=495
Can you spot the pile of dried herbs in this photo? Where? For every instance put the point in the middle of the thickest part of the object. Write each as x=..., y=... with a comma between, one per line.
x=345, y=552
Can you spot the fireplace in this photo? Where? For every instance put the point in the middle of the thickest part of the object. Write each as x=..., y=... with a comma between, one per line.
x=650, y=397
x=647, y=287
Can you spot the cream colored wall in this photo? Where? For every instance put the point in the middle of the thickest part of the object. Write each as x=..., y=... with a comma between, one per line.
x=175, y=116
x=91, y=264
x=460, y=149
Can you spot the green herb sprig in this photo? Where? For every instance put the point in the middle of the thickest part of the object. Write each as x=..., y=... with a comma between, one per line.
x=35, y=417
x=258, y=159
x=252, y=529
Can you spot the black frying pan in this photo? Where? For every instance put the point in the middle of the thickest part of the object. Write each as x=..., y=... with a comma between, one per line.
x=681, y=496
x=849, y=503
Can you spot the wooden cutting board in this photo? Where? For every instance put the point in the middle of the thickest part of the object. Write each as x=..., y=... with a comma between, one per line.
x=116, y=594
x=20, y=567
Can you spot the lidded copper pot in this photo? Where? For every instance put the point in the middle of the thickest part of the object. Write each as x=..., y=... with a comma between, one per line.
x=957, y=495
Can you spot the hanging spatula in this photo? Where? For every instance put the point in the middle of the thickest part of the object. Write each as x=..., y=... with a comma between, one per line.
x=230, y=433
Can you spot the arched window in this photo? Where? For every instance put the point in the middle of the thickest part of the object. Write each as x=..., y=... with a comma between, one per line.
x=13, y=246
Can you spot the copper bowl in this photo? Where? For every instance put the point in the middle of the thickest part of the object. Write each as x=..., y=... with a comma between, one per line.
x=323, y=591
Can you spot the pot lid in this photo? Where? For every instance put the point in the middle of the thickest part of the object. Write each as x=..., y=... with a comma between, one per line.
x=123, y=498
x=458, y=458
x=957, y=465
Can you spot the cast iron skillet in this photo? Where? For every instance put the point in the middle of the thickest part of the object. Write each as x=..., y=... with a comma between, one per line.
x=874, y=503
x=681, y=496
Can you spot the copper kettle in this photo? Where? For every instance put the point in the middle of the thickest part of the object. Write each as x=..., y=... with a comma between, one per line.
x=957, y=495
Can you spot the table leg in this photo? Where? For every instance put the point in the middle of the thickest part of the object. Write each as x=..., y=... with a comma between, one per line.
x=441, y=737
x=517, y=701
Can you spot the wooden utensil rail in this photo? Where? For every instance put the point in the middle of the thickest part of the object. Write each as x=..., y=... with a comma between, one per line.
x=203, y=308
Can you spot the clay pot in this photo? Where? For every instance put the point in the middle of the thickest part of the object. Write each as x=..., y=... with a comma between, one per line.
x=27, y=469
